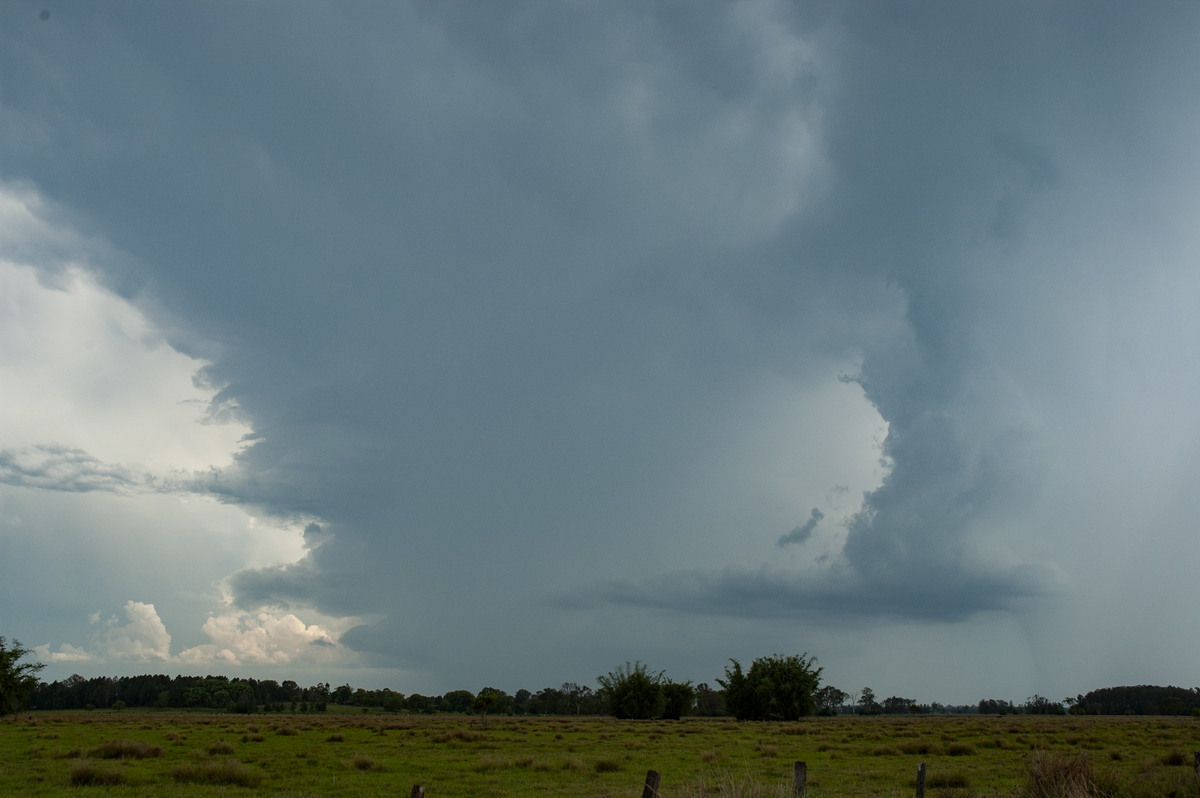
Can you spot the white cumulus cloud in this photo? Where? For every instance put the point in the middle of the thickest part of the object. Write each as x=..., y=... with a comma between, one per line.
x=239, y=638
x=142, y=637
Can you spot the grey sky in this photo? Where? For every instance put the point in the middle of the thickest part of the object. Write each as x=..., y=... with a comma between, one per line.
x=523, y=333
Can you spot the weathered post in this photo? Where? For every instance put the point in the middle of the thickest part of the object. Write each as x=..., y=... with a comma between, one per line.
x=800, y=783
x=418, y=791
x=652, y=781
x=921, y=780
x=1196, y=764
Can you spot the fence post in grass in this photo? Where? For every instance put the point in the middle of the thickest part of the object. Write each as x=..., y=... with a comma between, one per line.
x=800, y=783
x=418, y=791
x=652, y=781
x=921, y=780
x=1196, y=764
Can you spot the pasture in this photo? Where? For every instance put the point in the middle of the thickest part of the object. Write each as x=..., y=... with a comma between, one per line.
x=183, y=754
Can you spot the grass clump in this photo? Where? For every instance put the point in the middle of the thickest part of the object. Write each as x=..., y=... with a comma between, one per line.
x=126, y=749
x=217, y=772
x=1175, y=759
x=947, y=781
x=1064, y=776
x=90, y=774
x=220, y=748
x=607, y=766
x=960, y=749
x=364, y=763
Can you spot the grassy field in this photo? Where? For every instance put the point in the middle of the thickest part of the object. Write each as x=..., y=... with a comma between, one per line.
x=153, y=754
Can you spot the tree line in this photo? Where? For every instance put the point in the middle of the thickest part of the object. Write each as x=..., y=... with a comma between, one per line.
x=777, y=687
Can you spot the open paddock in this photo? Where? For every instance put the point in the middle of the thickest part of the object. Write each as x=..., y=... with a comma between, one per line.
x=302, y=755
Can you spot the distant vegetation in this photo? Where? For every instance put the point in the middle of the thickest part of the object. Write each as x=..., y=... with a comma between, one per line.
x=777, y=687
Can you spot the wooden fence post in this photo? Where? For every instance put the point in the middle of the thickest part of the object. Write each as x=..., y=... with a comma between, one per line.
x=800, y=783
x=1196, y=764
x=652, y=781
x=418, y=791
x=921, y=780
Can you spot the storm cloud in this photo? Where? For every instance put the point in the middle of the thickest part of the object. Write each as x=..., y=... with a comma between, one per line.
x=537, y=325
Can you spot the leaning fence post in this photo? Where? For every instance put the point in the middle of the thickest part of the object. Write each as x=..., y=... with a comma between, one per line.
x=799, y=784
x=651, y=788
x=921, y=780
x=418, y=791
x=1196, y=764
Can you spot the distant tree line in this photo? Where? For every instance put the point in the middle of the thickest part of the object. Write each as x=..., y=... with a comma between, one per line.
x=777, y=687
x=1142, y=699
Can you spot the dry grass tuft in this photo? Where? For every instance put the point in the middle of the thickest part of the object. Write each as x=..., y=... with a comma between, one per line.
x=363, y=762
x=125, y=749
x=225, y=771
x=220, y=748
x=89, y=774
x=1064, y=776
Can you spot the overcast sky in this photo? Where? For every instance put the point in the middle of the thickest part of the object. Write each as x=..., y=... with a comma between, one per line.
x=441, y=345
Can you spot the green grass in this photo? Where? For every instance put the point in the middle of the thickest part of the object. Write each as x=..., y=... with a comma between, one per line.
x=304, y=756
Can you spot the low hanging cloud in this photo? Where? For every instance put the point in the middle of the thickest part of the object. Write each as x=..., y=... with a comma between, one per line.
x=803, y=532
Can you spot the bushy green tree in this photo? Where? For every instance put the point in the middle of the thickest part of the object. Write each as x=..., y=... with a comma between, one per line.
x=775, y=688
x=17, y=679
x=633, y=692
x=679, y=699
x=829, y=700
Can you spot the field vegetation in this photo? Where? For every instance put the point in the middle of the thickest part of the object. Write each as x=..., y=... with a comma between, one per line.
x=127, y=753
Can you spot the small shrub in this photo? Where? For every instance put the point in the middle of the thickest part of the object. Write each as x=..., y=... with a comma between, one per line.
x=226, y=771
x=89, y=774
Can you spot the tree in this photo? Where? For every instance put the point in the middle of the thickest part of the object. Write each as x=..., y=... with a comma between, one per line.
x=17, y=679
x=829, y=700
x=458, y=701
x=867, y=705
x=895, y=705
x=486, y=699
x=679, y=699
x=577, y=694
x=709, y=702
x=633, y=692
x=775, y=688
